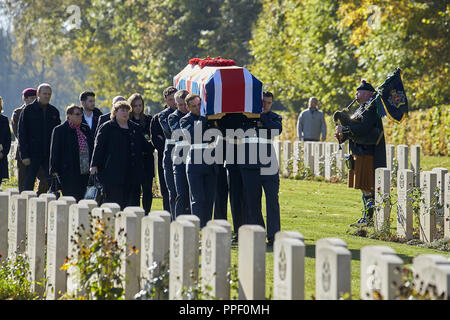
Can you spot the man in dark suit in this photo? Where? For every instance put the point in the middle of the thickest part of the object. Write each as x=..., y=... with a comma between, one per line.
x=36, y=124
x=28, y=96
x=91, y=114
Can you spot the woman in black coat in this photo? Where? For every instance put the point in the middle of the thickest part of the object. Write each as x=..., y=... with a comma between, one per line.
x=138, y=116
x=71, y=152
x=5, y=144
x=118, y=159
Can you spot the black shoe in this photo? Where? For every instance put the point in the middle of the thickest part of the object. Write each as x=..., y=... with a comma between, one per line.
x=360, y=222
x=270, y=242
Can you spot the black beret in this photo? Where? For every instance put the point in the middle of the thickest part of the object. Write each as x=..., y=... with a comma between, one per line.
x=365, y=86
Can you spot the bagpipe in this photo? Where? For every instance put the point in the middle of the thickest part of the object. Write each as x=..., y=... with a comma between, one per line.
x=389, y=100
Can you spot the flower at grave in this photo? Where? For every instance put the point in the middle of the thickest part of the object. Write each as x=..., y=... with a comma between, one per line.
x=134, y=250
x=1, y=255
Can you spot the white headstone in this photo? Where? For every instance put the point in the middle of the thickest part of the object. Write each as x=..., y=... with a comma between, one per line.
x=163, y=214
x=405, y=214
x=90, y=203
x=140, y=213
x=221, y=223
x=382, y=193
x=216, y=261
x=340, y=162
x=432, y=271
x=308, y=155
x=106, y=216
x=333, y=273
x=4, y=210
x=402, y=156
x=58, y=225
x=183, y=248
x=415, y=164
x=277, y=148
x=252, y=262
x=319, y=156
x=390, y=155
x=196, y=221
x=287, y=154
x=47, y=197
x=289, y=269
x=17, y=225
x=447, y=206
x=330, y=160
x=36, y=242
x=79, y=226
x=289, y=234
x=297, y=147
x=381, y=271
x=126, y=235
x=440, y=184
x=115, y=208
x=68, y=199
x=155, y=237
x=427, y=218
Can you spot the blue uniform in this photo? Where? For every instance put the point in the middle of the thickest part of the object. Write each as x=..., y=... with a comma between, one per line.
x=180, y=152
x=167, y=158
x=202, y=177
x=270, y=183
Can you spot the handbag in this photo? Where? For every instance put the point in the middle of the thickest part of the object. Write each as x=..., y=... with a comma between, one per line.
x=55, y=186
x=94, y=190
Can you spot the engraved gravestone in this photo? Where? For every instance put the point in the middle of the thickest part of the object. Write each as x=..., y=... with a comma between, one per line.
x=36, y=243
x=216, y=261
x=289, y=269
x=415, y=164
x=405, y=217
x=252, y=262
x=182, y=260
x=57, y=224
x=382, y=193
x=427, y=216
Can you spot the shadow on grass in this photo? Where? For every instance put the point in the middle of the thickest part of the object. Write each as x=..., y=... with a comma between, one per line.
x=310, y=252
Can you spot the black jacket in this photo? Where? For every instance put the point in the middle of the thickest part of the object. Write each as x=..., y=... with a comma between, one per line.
x=118, y=153
x=5, y=141
x=157, y=134
x=35, y=131
x=101, y=120
x=96, y=116
x=149, y=160
x=65, y=153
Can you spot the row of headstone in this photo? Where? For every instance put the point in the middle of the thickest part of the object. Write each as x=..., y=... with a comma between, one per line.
x=408, y=157
x=324, y=159
x=155, y=238
x=434, y=204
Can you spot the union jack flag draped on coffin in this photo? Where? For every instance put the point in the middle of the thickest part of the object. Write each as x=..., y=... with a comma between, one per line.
x=223, y=87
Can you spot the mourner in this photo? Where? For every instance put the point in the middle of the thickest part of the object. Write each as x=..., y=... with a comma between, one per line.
x=5, y=144
x=169, y=100
x=107, y=116
x=367, y=147
x=70, y=153
x=179, y=155
x=311, y=125
x=270, y=181
x=91, y=114
x=117, y=157
x=138, y=116
x=158, y=140
x=201, y=175
x=28, y=96
x=36, y=124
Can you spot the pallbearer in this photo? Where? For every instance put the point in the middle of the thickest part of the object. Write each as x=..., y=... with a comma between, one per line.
x=201, y=176
x=179, y=155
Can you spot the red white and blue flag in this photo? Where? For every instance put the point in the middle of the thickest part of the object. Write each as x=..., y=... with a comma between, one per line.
x=223, y=89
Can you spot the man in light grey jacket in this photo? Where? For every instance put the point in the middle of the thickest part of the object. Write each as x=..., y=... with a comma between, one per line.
x=311, y=123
